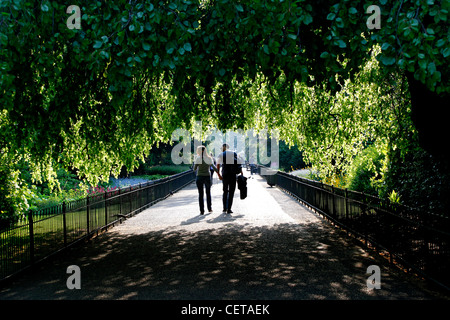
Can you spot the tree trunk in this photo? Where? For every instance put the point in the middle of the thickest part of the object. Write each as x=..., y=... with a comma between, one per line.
x=430, y=115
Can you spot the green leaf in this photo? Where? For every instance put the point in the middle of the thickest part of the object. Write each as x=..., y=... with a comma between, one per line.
x=353, y=10
x=440, y=43
x=222, y=72
x=292, y=36
x=170, y=47
x=155, y=60
x=341, y=44
x=239, y=8
x=131, y=27
x=434, y=11
x=187, y=46
x=44, y=8
x=431, y=68
x=97, y=44
x=331, y=16
x=446, y=52
x=387, y=61
x=308, y=19
x=422, y=64
x=324, y=55
x=104, y=54
x=146, y=46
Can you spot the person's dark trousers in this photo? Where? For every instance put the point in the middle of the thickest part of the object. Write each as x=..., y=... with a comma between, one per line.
x=229, y=185
x=204, y=181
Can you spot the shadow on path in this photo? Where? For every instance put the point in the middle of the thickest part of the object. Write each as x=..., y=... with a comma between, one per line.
x=233, y=262
x=270, y=248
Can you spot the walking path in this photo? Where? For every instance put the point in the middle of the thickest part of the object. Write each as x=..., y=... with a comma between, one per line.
x=271, y=247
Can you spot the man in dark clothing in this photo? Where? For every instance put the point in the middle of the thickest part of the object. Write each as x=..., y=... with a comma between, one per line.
x=226, y=160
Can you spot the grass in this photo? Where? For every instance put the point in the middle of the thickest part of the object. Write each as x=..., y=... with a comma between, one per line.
x=48, y=231
x=164, y=170
x=39, y=201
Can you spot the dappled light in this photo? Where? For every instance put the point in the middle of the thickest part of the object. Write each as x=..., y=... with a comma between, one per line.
x=102, y=102
x=252, y=254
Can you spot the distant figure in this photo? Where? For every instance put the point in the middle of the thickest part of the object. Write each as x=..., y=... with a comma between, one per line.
x=252, y=166
x=230, y=168
x=202, y=164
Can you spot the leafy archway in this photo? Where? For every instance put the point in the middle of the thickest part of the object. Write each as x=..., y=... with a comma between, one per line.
x=99, y=97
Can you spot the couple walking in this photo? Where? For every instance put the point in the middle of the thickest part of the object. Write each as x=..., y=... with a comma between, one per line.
x=202, y=164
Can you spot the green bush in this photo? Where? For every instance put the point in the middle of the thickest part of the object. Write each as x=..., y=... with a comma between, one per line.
x=421, y=181
x=6, y=202
x=13, y=200
x=365, y=171
x=290, y=158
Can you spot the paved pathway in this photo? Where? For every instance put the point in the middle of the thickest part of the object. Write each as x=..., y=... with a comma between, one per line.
x=271, y=247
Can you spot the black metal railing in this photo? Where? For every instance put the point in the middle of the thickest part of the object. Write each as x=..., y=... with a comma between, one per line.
x=417, y=240
x=51, y=230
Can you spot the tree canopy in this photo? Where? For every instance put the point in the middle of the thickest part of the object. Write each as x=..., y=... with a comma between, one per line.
x=97, y=98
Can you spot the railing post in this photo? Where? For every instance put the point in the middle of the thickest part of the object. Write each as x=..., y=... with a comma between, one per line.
x=64, y=223
x=120, y=202
x=30, y=221
x=322, y=197
x=346, y=204
x=87, y=214
x=333, y=210
x=131, y=201
x=363, y=217
x=139, y=193
x=106, y=207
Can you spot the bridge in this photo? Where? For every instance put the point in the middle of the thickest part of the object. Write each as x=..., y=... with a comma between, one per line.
x=271, y=247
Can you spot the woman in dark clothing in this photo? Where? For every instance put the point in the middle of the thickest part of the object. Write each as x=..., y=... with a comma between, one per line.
x=202, y=165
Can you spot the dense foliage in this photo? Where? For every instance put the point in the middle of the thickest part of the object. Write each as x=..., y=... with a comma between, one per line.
x=365, y=171
x=98, y=98
x=291, y=158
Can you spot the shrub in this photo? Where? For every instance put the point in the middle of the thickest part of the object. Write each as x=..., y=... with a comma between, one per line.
x=13, y=201
x=365, y=171
x=421, y=180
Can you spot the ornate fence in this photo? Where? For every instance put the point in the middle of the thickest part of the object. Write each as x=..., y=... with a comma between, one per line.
x=418, y=240
x=51, y=230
